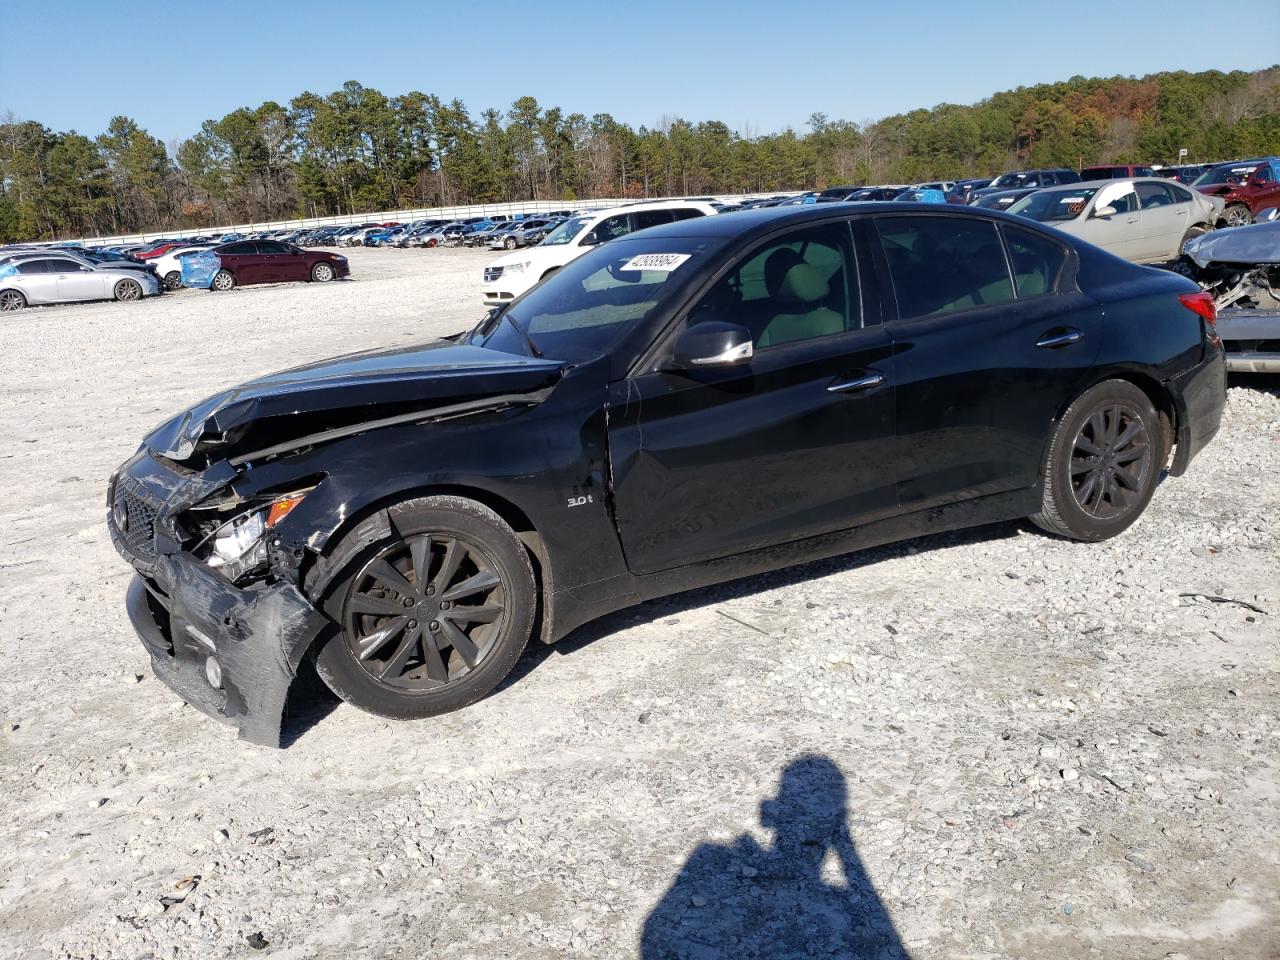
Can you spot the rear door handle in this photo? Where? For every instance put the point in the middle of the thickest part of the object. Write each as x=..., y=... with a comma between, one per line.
x=858, y=383
x=1060, y=339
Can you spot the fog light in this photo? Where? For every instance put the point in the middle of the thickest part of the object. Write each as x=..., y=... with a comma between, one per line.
x=213, y=672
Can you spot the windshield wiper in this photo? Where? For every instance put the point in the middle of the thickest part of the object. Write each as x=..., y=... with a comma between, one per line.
x=524, y=334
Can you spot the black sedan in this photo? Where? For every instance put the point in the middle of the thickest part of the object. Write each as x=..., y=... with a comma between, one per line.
x=685, y=405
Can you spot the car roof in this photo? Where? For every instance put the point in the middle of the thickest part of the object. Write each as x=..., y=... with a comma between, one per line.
x=747, y=223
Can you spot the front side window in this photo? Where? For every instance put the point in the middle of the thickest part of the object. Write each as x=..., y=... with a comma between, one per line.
x=1119, y=196
x=1263, y=174
x=944, y=264
x=610, y=228
x=798, y=287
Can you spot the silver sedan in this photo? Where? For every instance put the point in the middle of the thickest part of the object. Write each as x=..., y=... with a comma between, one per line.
x=37, y=278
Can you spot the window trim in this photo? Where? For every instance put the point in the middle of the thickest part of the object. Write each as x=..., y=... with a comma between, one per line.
x=1066, y=273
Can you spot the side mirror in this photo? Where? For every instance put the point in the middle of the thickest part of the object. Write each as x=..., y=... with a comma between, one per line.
x=712, y=344
x=590, y=240
x=1107, y=211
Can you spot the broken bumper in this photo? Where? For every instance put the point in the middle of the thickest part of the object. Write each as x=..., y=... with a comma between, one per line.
x=1251, y=339
x=231, y=653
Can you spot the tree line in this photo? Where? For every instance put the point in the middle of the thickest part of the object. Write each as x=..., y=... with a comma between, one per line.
x=357, y=150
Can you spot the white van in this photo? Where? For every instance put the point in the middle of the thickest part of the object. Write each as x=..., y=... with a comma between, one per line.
x=512, y=275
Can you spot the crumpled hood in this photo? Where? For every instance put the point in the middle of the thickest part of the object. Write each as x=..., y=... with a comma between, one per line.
x=1259, y=243
x=432, y=374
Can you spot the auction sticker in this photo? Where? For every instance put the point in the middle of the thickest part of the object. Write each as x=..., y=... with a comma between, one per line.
x=666, y=262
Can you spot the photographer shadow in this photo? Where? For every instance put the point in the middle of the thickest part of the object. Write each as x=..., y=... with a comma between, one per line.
x=744, y=900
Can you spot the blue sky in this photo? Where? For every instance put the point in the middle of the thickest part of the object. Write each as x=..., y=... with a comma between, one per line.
x=758, y=66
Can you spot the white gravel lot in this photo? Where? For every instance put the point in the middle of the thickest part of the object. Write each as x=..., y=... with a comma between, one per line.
x=990, y=744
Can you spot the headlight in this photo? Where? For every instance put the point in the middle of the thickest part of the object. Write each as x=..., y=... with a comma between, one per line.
x=240, y=544
x=517, y=267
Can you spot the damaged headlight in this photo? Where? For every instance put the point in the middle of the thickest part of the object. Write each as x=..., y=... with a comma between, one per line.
x=517, y=267
x=239, y=546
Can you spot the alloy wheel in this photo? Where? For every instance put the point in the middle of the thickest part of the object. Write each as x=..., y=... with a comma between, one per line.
x=223, y=281
x=323, y=272
x=128, y=290
x=424, y=612
x=1237, y=216
x=11, y=300
x=1111, y=462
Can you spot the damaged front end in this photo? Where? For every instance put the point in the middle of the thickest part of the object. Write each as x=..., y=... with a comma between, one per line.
x=212, y=513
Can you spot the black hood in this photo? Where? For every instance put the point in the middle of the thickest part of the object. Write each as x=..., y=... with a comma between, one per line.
x=352, y=389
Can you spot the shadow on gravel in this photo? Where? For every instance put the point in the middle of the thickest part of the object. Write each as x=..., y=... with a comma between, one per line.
x=310, y=701
x=747, y=586
x=744, y=900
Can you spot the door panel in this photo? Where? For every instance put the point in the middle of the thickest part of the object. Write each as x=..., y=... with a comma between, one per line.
x=751, y=456
x=1120, y=233
x=1165, y=220
x=75, y=284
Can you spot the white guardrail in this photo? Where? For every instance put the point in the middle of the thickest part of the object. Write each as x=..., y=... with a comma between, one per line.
x=402, y=216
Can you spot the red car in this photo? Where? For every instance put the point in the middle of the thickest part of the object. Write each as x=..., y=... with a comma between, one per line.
x=150, y=253
x=1117, y=171
x=1248, y=187
x=273, y=261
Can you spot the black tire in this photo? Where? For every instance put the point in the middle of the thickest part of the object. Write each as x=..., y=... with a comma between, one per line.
x=373, y=611
x=1237, y=215
x=11, y=300
x=173, y=279
x=1094, y=496
x=223, y=280
x=322, y=272
x=1196, y=231
x=127, y=291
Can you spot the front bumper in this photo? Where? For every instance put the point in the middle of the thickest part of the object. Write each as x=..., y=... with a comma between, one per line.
x=187, y=614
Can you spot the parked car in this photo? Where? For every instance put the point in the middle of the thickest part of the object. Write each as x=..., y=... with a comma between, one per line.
x=44, y=278
x=874, y=193
x=480, y=234
x=1117, y=171
x=1024, y=180
x=1246, y=188
x=521, y=233
x=1143, y=219
x=169, y=266
x=999, y=199
x=507, y=278
x=270, y=261
x=962, y=192
x=1185, y=173
x=678, y=407
x=1240, y=269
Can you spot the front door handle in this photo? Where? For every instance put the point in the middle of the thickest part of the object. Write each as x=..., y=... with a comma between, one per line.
x=1060, y=339
x=858, y=383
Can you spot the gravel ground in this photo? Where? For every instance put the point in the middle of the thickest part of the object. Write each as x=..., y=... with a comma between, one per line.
x=989, y=744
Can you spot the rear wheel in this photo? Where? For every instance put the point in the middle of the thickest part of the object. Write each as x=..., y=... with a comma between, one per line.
x=173, y=279
x=11, y=300
x=1237, y=215
x=128, y=290
x=322, y=272
x=224, y=280
x=1194, y=232
x=1103, y=463
x=433, y=617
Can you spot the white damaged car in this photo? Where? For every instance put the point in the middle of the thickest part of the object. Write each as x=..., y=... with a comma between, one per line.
x=512, y=275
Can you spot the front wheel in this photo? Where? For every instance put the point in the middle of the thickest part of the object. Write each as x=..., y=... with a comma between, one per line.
x=128, y=290
x=1103, y=463
x=510, y=243
x=11, y=300
x=224, y=280
x=322, y=272
x=431, y=618
x=1237, y=215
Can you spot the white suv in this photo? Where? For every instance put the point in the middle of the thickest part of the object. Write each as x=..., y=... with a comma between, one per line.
x=507, y=278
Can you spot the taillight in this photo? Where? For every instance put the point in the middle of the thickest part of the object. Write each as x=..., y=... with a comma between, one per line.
x=1201, y=303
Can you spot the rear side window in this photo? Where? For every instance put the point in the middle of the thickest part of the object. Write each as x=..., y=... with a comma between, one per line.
x=33, y=266
x=1152, y=195
x=1184, y=196
x=652, y=218
x=944, y=264
x=1038, y=262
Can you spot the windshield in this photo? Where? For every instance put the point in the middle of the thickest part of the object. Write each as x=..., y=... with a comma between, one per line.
x=1227, y=173
x=1011, y=180
x=1049, y=206
x=588, y=305
x=566, y=231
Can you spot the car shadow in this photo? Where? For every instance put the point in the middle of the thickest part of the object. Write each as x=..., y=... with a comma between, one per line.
x=310, y=701
x=806, y=894
x=678, y=603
